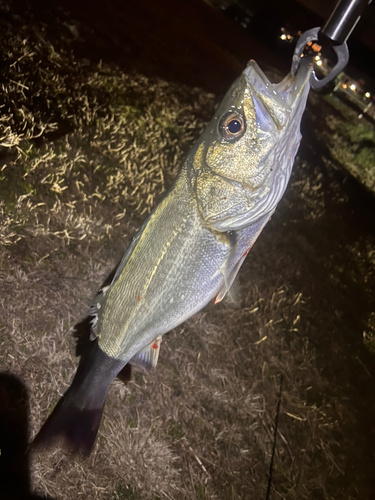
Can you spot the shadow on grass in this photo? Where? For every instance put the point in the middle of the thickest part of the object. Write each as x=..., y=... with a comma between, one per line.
x=14, y=457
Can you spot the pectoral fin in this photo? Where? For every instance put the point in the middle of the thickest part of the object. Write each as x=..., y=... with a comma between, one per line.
x=244, y=243
x=148, y=357
x=229, y=280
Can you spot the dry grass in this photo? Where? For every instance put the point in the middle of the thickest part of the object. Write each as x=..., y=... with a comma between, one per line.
x=351, y=141
x=200, y=426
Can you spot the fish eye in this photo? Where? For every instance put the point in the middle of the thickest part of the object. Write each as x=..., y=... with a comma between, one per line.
x=232, y=126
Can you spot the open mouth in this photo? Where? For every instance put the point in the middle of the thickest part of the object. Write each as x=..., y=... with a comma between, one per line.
x=281, y=99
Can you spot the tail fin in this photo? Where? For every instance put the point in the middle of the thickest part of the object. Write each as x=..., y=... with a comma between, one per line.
x=77, y=415
x=77, y=427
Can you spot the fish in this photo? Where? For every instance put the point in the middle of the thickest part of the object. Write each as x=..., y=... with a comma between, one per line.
x=191, y=246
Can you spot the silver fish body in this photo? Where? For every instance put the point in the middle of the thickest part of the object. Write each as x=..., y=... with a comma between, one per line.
x=192, y=245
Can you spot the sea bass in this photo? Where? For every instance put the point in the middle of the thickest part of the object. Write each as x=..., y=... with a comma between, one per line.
x=191, y=247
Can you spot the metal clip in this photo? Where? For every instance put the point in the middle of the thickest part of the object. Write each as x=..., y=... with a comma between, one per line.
x=341, y=51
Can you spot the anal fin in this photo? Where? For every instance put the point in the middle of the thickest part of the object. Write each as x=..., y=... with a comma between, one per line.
x=148, y=357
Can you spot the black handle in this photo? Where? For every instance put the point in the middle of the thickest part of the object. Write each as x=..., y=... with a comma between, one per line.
x=343, y=20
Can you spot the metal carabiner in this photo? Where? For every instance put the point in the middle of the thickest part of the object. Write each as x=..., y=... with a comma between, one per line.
x=342, y=53
x=336, y=31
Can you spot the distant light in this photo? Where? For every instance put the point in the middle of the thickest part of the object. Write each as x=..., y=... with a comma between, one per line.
x=289, y=37
x=352, y=87
x=319, y=62
x=344, y=86
x=317, y=58
x=283, y=37
x=368, y=95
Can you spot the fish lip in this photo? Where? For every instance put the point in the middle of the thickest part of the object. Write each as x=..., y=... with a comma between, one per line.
x=297, y=86
x=286, y=93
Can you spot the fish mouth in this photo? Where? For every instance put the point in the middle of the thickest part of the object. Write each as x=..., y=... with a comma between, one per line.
x=282, y=99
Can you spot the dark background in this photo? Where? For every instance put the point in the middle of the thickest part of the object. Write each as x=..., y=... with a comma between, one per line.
x=165, y=37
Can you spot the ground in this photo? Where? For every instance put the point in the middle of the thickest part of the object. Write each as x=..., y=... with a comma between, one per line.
x=88, y=147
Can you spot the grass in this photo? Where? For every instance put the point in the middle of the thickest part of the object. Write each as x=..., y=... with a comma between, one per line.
x=125, y=493
x=202, y=424
x=352, y=141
